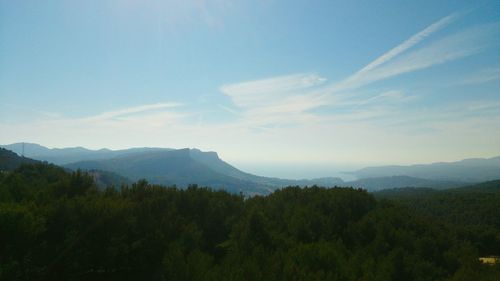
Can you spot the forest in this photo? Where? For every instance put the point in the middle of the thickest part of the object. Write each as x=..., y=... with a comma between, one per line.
x=59, y=225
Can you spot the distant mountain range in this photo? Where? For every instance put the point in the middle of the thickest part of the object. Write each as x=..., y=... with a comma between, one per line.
x=9, y=161
x=489, y=187
x=165, y=166
x=389, y=182
x=182, y=167
x=468, y=170
x=62, y=156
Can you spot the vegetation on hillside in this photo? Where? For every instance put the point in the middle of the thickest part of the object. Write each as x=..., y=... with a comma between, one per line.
x=60, y=226
x=473, y=211
x=9, y=160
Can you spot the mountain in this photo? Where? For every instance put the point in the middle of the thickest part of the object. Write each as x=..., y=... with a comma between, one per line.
x=468, y=170
x=62, y=156
x=192, y=166
x=183, y=167
x=380, y=183
x=171, y=167
x=104, y=179
x=163, y=166
x=212, y=160
x=9, y=160
x=413, y=193
x=489, y=187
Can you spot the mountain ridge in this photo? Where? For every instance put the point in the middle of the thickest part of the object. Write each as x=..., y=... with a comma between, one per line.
x=186, y=166
x=469, y=170
x=62, y=156
x=10, y=161
x=183, y=167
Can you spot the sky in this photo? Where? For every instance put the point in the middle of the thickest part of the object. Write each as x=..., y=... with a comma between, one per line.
x=264, y=83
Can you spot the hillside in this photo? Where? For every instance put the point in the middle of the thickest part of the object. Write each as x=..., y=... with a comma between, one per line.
x=212, y=160
x=380, y=183
x=183, y=167
x=474, y=209
x=170, y=167
x=468, y=170
x=61, y=156
x=197, y=167
x=66, y=229
x=193, y=166
x=471, y=205
x=490, y=187
x=105, y=179
x=10, y=161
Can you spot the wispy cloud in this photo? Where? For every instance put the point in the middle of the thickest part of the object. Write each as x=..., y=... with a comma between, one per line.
x=482, y=76
x=287, y=99
x=38, y=113
x=117, y=128
x=456, y=46
x=272, y=90
x=388, y=97
x=228, y=109
x=131, y=110
x=346, y=116
x=400, y=60
x=410, y=42
x=142, y=118
x=482, y=105
x=275, y=101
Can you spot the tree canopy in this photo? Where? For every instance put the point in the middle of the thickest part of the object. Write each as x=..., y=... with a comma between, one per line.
x=56, y=225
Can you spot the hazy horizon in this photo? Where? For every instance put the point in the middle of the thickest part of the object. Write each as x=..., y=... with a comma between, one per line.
x=286, y=170
x=259, y=82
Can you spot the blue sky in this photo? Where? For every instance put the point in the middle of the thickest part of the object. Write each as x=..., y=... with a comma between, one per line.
x=260, y=82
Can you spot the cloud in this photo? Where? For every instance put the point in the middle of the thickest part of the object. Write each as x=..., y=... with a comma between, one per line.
x=137, y=126
x=294, y=99
x=228, y=109
x=400, y=59
x=481, y=77
x=456, y=46
x=130, y=110
x=344, y=118
x=410, y=42
x=484, y=105
x=388, y=97
x=143, y=117
x=275, y=101
x=27, y=110
x=271, y=90
x=393, y=95
x=290, y=99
